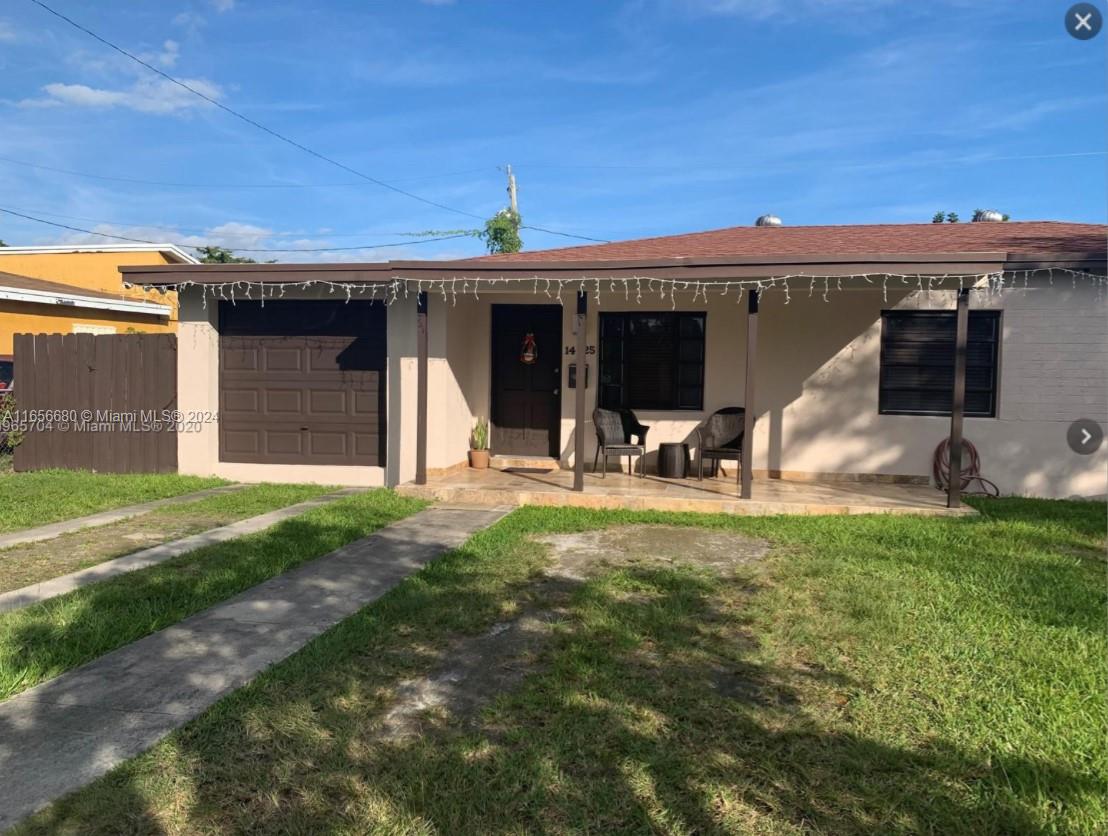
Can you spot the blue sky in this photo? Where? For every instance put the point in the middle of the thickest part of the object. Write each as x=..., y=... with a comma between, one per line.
x=621, y=119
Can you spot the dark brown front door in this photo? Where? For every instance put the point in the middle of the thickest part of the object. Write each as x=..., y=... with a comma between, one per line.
x=526, y=396
x=302, y=382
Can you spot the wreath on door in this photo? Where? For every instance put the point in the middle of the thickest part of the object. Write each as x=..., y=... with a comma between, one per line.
x=528, y=352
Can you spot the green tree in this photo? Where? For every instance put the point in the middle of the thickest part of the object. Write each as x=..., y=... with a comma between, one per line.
x=938, y=217
x=221, y=255
x=501, y=233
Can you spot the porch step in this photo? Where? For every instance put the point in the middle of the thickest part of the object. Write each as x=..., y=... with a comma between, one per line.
x=596, y=498
x=524, y=462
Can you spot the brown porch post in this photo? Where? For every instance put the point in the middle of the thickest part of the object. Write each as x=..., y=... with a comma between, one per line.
x=580, y=393
x=421, y=389
x=958, y=400
x=746, y=466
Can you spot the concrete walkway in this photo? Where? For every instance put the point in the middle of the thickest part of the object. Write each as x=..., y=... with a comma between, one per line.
x=49, y=532
x=64, y=733
x=33, y=594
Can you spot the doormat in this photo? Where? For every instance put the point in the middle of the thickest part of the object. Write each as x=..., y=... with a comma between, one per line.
x=528, y=470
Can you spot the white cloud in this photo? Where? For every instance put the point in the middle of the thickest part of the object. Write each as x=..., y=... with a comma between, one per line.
x=243, y=238
x=235, y=235
x=171, y=51
x=167, y=57
x=765, y=9
x=222, y=6
x=232, y=235
x=157, y=96
x=7, y=32
x=793, y=10
x=190, y=21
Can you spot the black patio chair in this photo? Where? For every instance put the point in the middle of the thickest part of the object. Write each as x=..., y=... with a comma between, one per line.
x=613, y=438
x=720, y=438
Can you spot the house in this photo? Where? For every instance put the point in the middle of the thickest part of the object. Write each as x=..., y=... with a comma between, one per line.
x=843, y=338
x=77, y=289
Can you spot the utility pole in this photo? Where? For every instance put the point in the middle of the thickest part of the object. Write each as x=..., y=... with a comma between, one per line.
x=512, y=191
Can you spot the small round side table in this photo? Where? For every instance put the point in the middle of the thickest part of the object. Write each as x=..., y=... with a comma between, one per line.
x=673, y=460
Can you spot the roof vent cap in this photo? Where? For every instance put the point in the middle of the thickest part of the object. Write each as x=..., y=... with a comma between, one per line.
x=768, y=220
x=987, y=216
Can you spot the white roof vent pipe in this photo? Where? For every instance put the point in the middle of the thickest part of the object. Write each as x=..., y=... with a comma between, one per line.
x=768, y=220
x=987, y=216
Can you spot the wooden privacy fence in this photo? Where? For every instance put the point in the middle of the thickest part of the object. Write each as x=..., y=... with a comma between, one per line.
x=92, y=402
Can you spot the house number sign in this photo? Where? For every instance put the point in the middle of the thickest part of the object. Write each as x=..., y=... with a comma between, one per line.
x=572, y=349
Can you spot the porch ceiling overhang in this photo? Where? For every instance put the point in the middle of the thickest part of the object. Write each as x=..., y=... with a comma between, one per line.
x=683, y=269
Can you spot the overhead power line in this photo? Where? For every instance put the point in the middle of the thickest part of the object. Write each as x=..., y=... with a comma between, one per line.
x=238, y=249
x=221, y=186
x=254, y=123
x=564, y=234
x=172, y=184
x=247, y=185
x=276, y=134
x=175, y=229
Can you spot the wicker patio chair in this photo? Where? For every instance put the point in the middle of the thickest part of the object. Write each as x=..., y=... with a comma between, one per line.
x=614, y=431
x=720, y=438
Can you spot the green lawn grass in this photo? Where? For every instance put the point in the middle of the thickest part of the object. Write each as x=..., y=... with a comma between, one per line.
x=888, y=674
x=45, y=496
x=34, y=562
x=43, y=640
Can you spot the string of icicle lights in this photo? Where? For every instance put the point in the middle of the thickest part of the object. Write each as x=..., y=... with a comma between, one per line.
x=645, y=289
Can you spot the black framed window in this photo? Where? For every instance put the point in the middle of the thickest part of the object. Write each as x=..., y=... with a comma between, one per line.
x=917, y=362
x=652, y=360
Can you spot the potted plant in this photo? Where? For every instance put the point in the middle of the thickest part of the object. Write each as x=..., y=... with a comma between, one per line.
x=479, y=445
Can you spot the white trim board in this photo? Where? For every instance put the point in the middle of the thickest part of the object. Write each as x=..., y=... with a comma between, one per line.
x=76, y=300
x=172, y=251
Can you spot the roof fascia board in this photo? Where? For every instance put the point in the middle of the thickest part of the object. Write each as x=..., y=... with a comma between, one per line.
x=73, y=300
x=170, y=250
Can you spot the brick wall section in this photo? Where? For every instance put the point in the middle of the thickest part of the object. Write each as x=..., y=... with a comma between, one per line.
x=1054, y=355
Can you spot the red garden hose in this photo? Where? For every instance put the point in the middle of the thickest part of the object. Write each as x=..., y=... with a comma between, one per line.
x=971, y=469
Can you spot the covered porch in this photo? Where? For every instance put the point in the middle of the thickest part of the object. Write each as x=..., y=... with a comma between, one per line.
x=813, y=442
x=618, y=490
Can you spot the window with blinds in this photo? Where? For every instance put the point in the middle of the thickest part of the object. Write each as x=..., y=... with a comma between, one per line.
x=917, y=363
x=652, y=360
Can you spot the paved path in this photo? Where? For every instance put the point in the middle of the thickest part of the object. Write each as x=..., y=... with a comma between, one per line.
x=49, y=532
x=36, y=592
x=62, y=734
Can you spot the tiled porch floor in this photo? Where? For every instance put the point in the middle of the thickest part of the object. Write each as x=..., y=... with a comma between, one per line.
x=618, y=490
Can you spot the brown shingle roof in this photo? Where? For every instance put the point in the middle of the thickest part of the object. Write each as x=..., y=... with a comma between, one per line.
x=888, y=239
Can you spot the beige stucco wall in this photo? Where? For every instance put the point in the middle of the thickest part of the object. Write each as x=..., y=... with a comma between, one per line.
x=1054, y=353
x=817, y=387
x=817, y=384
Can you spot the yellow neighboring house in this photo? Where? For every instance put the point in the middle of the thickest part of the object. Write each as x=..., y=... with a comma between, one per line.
x=77, y=289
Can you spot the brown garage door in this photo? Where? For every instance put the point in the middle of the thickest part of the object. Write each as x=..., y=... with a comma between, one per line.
x=302, y=382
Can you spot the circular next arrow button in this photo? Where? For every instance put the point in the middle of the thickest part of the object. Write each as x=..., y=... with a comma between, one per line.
x=1085, y=436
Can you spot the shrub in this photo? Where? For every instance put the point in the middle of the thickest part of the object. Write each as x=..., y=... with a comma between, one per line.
x=10, y=435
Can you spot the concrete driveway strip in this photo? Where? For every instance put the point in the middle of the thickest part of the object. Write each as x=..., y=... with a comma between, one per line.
x=52, y=530
x=33, y=594
x=60, y=735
